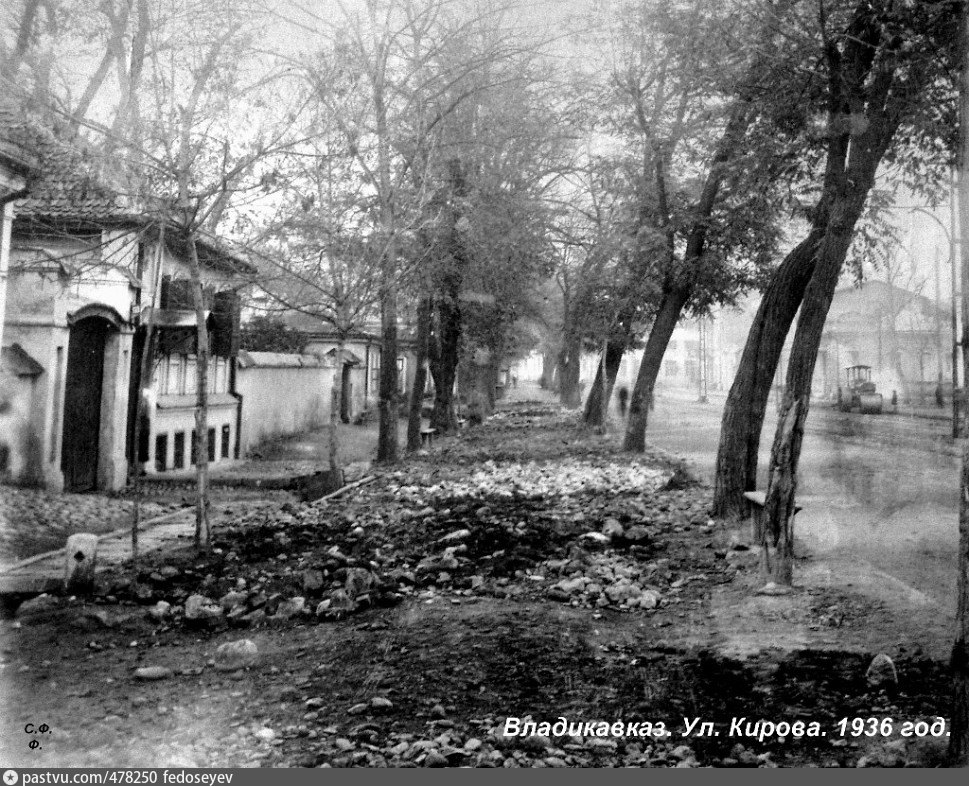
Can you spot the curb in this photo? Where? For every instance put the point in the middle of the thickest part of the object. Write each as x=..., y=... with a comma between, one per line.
x=106, y=536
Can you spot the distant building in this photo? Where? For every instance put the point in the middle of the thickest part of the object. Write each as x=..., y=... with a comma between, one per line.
x=358, y=367
x=702, y=356
x=902, y=335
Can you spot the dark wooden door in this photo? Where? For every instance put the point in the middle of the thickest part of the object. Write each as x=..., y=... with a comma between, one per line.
x=82, y=404
x=346, y=395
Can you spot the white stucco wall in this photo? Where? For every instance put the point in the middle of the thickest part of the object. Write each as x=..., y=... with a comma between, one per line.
x=282, y=394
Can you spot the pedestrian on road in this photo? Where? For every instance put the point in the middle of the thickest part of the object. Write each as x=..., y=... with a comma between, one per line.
x=623, y=396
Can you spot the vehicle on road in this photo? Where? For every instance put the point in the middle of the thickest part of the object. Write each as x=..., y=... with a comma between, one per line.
x=860, y=392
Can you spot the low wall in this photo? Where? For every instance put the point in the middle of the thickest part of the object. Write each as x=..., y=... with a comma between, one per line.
x=282, y=394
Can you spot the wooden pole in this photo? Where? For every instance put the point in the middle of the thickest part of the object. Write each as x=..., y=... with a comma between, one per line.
x=953, y=242
x=144, y=374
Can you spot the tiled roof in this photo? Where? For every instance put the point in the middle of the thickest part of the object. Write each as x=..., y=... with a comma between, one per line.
x=73, y=184
x=249, y=359
x=76, y=185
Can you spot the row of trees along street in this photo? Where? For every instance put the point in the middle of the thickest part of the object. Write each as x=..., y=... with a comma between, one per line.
x=435, y=163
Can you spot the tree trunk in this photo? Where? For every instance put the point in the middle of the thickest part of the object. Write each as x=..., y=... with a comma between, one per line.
x=474, y=381
x=202, y=531
x=569, y=368
x=420, y=376
x=334, y=456
x=857, y=75
x=777, y=546
x=444, y=365
x=493, y=376
x=25, y=37
x=743, y=414
x=549, y=361
x=959, y=661
x=670, y=308
x=782, y=483
x=389, y=413
x=336, y=392
x=592, y=415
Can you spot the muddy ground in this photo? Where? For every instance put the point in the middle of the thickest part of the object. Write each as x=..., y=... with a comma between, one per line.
x=525, y=569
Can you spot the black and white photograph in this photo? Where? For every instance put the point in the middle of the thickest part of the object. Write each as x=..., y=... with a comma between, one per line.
x=482, y=383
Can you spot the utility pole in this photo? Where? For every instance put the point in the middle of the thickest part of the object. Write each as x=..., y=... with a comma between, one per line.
x=954, y=241
x=938, y=322
x=702, y=376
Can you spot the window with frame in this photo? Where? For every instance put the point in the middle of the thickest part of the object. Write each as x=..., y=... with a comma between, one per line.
x=178, y=460
x=375, y=370
x=161, y=452
x=174, y=367
x=189, y=387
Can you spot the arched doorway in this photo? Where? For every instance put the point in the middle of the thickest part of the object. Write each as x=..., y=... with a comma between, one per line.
x=83, y=385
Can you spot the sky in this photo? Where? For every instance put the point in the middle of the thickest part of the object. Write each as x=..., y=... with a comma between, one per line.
x=924, y=231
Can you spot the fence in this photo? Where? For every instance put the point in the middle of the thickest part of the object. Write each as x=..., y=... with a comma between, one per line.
x=282, y=394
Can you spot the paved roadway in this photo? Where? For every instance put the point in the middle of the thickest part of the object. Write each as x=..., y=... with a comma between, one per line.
x=880, y=493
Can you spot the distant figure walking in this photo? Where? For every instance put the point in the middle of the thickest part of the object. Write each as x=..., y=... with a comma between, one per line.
x=514, y=381
x=623, y=396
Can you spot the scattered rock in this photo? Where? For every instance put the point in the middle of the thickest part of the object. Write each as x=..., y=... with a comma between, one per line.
x=232, y=599
x=457, y=535
x=881, y=672
x=234, y=655
x=381, y=703
x=290, y=608
x=649, y=599
x=622, y=591
x=596, y=537
x=612, y=529
x=336, y=606
x=535, y=743
x=637, y=534
x=359, y=583
x=151, y=673
x=312, y=580
x=160, y=611
x=36, y=609
x=680, y=479
x=201, y=611
x=772, y=589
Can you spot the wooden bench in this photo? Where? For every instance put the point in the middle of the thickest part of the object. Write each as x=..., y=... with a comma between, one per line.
x=427, y=436
x=757, y=500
